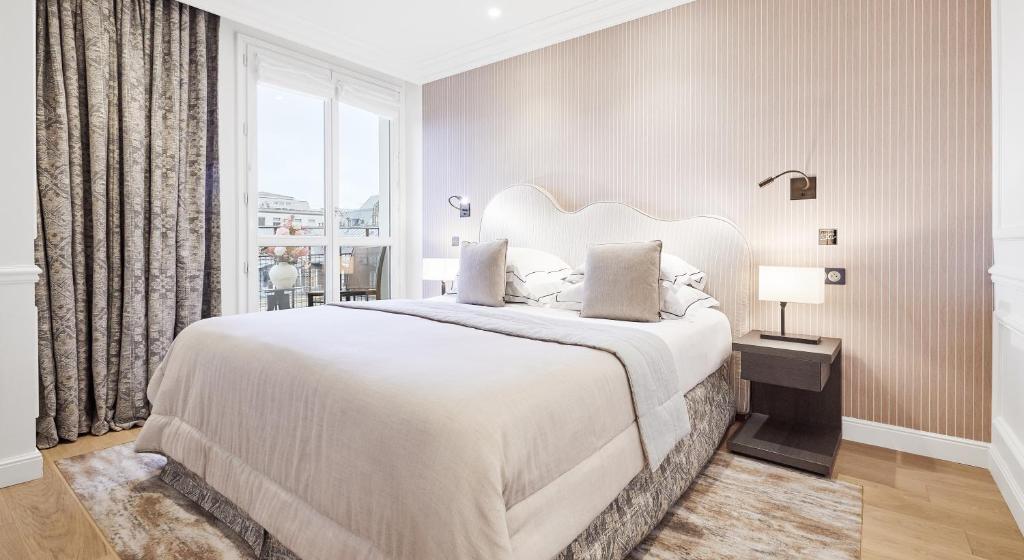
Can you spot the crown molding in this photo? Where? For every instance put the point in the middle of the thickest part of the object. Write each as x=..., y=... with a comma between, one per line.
x=544, y=32
x=581, y=20
x=285, y=24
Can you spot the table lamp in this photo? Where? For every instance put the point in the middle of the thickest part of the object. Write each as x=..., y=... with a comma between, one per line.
x=790, y=284
x=442, y=269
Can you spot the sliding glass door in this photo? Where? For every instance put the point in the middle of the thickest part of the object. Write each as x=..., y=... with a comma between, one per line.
x=320, y=163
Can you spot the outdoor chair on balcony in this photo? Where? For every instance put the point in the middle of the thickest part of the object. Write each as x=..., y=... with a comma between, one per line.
x=361, y=274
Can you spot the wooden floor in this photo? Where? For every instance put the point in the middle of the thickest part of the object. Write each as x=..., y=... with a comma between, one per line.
x=914, y=507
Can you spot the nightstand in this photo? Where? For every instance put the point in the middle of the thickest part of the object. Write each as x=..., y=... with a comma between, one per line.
x=796, y=402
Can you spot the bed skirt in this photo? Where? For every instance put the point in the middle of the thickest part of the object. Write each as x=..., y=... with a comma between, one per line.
x=610, y=536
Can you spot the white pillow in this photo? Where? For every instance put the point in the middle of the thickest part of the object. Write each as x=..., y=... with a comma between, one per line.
x=678, y=272
x=532, y=276
x=676, y=301
x=569, y=297
x=576, y=276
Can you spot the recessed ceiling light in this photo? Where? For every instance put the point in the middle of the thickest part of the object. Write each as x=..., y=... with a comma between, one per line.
x=494, y=13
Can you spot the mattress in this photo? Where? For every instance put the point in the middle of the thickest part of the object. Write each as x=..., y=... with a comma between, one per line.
x=279, y=411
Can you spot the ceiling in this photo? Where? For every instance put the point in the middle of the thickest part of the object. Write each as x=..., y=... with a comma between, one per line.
x=424, y=40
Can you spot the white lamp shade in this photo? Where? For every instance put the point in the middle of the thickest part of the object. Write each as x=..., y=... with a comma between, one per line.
x=440, y=269
x=791, y=284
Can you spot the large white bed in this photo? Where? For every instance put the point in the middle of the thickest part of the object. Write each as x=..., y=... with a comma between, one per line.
x=348, y=432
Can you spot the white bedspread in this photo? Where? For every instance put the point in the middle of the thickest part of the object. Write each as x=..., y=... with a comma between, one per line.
x=359, y=434
x=700, y=342
x=661, y=411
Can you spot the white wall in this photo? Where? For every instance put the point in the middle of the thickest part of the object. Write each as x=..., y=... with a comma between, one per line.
x=406, y=283
x=412, y=172
x=1007, y=450
x=19, y=401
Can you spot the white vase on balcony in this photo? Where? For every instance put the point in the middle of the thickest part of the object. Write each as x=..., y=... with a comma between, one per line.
x=282, y=275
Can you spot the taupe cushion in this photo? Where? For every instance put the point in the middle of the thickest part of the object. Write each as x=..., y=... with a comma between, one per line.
x=622, y=282
x=482, y=273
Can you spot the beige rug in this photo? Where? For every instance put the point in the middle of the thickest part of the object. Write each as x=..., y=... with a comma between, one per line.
x=738, y=508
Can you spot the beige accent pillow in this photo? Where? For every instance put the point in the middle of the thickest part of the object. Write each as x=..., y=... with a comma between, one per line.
x=622, y=282
x=482, y=273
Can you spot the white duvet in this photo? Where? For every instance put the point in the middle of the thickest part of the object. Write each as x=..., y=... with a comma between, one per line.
x=359, y=434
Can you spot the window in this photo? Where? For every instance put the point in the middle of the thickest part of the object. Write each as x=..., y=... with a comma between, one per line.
x=320, y=152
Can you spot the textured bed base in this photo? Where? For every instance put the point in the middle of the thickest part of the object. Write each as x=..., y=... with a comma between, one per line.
x=263, y=544
x=613, y=533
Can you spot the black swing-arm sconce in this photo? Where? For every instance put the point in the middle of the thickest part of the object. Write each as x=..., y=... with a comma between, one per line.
x=800, y=188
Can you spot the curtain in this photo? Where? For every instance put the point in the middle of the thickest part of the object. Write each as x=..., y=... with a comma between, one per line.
x=128, y=218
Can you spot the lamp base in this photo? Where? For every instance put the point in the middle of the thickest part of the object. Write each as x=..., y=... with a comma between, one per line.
x=801, y=338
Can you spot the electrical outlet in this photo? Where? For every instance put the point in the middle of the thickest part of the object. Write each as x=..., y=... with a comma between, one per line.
x=455, y=241
x=835, y=276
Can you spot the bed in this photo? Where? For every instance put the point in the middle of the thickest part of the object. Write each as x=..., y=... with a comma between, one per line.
x=435, y=430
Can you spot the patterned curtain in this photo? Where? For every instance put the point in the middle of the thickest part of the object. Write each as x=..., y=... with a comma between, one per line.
x=128, y=227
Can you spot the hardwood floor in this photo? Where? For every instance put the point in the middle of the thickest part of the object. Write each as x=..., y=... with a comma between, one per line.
x=914, y=507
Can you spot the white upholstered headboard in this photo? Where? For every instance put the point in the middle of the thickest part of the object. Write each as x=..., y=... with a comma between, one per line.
x=528, y=216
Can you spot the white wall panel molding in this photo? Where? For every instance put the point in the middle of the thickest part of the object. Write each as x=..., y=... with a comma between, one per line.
x=1009, y=232
x=1007, y=452
x=24, y=274
x=1007, y=275
x=1007, y=466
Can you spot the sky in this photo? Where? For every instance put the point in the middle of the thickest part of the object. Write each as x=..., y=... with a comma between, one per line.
x=290, y=148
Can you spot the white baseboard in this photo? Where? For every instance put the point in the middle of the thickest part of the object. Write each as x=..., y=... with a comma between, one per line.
x=1007, y=466
x=21, y=468
x=936, y=446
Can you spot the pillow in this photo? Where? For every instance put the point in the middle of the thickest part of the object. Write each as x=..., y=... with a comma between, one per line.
x=482, y=273
x=576, y=276
x=622, y=282
x=532, y=276
x=569, y=297
x=678, y=272
x=677, y=301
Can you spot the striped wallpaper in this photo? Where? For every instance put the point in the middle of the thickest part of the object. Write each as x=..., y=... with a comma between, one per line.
x=684, y=111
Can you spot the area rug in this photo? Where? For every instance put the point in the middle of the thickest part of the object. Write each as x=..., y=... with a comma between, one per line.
x=744, y=508
x=737, y=508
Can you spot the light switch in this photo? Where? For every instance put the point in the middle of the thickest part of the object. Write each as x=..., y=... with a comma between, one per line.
x=455, y=241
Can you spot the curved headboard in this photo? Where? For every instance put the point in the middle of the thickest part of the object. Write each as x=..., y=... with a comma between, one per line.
x=528, y=216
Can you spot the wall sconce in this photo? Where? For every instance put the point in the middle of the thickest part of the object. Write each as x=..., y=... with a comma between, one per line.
x=460, y=203
x=804, y=188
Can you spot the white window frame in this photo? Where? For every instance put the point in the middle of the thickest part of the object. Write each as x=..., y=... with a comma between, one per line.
x=337, y=84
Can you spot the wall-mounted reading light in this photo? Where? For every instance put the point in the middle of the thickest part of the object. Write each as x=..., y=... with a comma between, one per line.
x=460, y=203
x=804, y=188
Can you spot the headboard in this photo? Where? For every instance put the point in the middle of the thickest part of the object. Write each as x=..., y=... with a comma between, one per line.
x=528, y=216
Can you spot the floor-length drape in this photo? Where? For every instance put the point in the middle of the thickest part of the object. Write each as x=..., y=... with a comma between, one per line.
x=128, y=218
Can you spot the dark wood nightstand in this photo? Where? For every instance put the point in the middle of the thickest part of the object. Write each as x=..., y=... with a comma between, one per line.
x=796, y=402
